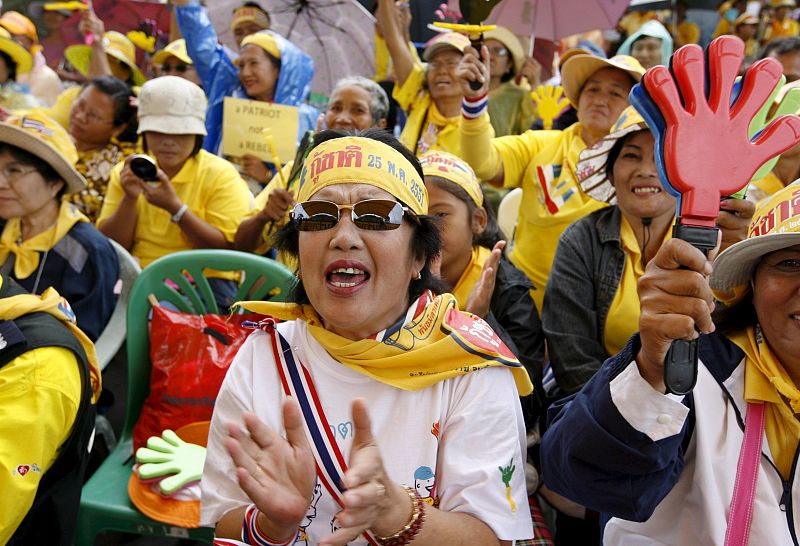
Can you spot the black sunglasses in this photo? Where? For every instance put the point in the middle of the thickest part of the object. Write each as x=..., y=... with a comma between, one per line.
x=179, y=68
x=370, y=214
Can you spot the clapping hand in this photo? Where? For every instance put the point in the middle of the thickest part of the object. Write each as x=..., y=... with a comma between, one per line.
x=700, y=173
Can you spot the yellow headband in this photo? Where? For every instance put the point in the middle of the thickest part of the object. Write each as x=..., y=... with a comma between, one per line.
x=453, y=169
x=265, y=41
x=359, y=160
x=248, y=14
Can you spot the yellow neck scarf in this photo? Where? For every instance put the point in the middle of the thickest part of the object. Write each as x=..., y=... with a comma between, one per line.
x=471, y=275
x=765, y=380
x=26, y=253
x=434, y=341
x=52, y=303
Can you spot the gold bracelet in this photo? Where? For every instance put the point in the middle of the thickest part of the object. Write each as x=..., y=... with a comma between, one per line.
x=415, y=513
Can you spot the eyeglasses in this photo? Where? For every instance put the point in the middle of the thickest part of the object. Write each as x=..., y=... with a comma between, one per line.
x=498, y=51
x=447, y=65
x=178, y=68
x=79, y=106
x=14, y=171
x=370, y=214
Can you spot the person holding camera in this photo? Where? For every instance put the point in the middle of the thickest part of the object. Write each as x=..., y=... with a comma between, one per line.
x=188, y=198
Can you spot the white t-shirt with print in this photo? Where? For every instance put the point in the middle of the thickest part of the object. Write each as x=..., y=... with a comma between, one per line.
x=455, y=442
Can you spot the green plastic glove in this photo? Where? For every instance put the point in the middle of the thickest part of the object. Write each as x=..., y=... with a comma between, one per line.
x=168, y=455
x=790, y=104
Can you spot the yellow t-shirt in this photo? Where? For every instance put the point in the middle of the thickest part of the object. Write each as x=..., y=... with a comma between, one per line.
x=782, y=29
x=623, y=314
x=543, y=164
x=764, y=187
x=426, y=128
x=40, y=392
x=210, y=186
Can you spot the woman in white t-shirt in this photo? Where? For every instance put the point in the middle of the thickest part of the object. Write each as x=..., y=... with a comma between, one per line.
x=407, y=408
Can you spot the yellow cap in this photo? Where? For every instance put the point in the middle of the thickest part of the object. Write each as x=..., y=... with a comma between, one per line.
x=16, y=23
x=453, y=169
x=116, y=45
x=265, y=41
x=175, y=49
x=21, y=57
x=360, y=160
x=446, y=40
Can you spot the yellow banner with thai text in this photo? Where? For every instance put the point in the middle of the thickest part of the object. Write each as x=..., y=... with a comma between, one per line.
x=243, y=127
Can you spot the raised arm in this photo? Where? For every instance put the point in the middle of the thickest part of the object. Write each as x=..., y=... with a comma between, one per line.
x=392, y=19
x=209, y=57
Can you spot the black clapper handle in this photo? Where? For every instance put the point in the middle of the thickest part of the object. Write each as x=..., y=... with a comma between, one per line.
x=476, y=41
x=680, y=364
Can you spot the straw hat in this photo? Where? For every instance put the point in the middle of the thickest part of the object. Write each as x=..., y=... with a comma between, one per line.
x=591, y=166
x=115, y=44
x=578, y=68
x=511, y=43
x=44, y=138
x=446, y=40
x=175, y=49
x=173, y=106
x=19, y=55
x=775, y=225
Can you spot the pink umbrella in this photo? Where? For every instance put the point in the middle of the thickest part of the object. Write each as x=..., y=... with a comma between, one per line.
x=555, y=19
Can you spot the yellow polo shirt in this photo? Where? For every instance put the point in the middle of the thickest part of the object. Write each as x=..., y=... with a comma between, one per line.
x=426, y=128
x=211, y=187
x=623, y=313
x=40, y=393
x=543, y=164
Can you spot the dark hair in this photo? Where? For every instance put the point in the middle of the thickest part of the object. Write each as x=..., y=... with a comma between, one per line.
x=736, y=317
x=426, y=241
x=781, y=47
x=198, y=144
x=43, y=168
x=120, y=94
x=11, y=66
x=491, y=233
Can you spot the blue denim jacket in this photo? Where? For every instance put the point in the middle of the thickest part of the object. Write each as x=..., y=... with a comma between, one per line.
x=586, y=273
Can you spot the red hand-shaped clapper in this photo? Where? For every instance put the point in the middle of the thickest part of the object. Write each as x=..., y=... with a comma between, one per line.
x=707, y=151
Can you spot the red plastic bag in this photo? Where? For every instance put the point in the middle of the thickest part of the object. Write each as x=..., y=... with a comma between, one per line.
x=190, y=356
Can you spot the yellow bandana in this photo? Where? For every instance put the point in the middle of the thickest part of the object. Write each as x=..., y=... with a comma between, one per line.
x=453, y=169
x=433, y=342
x=248, y=14
x=359, y=160
x=765, y=380
x=52, y=303
x=471, y=275
x=27, y=253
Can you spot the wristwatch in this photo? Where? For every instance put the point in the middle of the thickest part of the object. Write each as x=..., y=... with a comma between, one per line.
x=178, y=215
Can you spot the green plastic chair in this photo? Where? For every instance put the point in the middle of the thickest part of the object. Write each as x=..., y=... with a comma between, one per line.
x=104, y=499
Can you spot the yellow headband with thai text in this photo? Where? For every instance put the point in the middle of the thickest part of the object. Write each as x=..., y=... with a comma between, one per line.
x=453, y=169
x=359, y=160
x=249, y=14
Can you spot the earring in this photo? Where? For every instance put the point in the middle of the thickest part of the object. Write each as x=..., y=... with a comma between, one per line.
x=298, y=275
x=418, y=276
